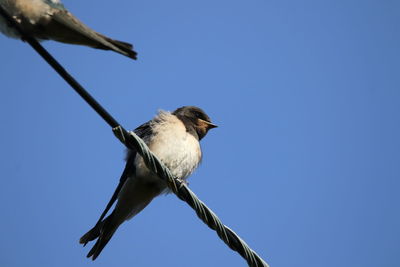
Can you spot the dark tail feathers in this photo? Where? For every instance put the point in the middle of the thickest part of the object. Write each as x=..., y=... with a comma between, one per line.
x=103, y=231
x=125, y=48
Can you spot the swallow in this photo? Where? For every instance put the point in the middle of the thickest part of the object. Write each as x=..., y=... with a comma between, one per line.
x=50, y=20
x=174, y=138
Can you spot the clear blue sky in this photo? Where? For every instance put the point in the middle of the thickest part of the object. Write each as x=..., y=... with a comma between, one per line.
x=305, y=165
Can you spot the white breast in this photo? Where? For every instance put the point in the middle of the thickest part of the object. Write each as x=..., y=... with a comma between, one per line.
x=176, y=148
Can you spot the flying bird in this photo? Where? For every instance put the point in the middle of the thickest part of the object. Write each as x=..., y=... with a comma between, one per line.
x=174, y=138
x=50, y=20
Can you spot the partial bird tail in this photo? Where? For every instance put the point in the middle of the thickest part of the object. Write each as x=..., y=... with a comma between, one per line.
x=123, y=47
x=103, y=232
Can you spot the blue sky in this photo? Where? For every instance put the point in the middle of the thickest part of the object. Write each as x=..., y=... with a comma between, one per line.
x=305, y=163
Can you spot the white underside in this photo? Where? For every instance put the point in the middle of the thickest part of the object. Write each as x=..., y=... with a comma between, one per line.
x=175, y=147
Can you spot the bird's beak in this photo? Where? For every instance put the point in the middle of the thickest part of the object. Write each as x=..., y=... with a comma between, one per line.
x=208, y=125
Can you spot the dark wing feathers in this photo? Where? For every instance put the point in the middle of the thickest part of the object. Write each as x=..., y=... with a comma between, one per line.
x=141, y=131
x=64, y=27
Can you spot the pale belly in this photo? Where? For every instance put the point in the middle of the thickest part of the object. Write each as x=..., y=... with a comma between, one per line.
x=181, y=153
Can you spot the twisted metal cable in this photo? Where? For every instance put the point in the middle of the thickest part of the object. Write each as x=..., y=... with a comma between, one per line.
x=132, y=141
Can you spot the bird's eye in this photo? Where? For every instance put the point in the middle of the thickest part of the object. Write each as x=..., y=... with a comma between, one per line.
x=199, y=115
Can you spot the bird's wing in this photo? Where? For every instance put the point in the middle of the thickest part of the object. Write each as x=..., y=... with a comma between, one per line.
x=144, y=129
x=65, y=27
x=141, y=131
x=71, y=30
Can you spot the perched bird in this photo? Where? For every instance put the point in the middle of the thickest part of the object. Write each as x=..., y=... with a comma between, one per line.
x=174, y=139
x=50, y=20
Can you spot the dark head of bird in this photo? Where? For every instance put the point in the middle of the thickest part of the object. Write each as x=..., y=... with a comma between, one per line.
x=195, y=119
